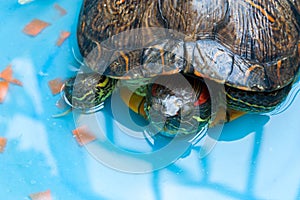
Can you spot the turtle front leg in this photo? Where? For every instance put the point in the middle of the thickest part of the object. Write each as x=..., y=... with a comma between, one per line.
x=88, y=91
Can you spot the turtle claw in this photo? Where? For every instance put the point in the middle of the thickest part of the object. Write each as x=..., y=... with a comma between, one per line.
x=233, y=114
x=62, y=114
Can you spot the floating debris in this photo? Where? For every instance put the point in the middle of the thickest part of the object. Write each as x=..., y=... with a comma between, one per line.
x=60, y=9
x=46, y=195
x=3, y=90
x=6, y=76
x=83, y=135
x=3, y=142
x=35, y=27
x=56, y=86
x=62, y=37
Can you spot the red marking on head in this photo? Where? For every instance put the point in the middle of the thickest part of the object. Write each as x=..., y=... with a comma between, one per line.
x=153, y=89
x=203, y=97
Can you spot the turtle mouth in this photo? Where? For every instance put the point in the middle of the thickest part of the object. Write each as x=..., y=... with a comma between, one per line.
x=176, y=107
x=171, y=102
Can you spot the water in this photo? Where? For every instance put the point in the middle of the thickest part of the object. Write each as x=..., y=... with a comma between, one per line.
x=255, y=157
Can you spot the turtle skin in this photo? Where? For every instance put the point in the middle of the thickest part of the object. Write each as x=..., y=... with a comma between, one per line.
x=249, y=46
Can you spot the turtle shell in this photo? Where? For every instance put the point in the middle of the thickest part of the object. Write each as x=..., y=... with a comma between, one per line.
x=252, y=45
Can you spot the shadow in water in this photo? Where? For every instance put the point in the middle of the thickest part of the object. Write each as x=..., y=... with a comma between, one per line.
x=232, y=131
x=241, y=127
x=236, y=130
x=156, y=186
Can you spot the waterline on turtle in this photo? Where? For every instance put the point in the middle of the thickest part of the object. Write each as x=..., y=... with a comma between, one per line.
x=91, y=110
x=288, y=101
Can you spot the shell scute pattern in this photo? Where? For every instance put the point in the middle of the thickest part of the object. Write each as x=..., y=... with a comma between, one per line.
x=249, y=44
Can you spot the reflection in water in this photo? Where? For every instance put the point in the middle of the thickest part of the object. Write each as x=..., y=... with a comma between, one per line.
x=31, y=135
x=211, y=177
x=117, y=185
x=248, y=142
x=28, y=128
x=289, y=100
x=108, y=151
x=156, y=185
x=24, y=1
x=209, y=169
x=200, y=184
x=240, y=128
x=252, y=174
x=25, y=69
x=225, y=175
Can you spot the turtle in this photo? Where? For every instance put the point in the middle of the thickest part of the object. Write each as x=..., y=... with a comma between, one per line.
x=250, y=47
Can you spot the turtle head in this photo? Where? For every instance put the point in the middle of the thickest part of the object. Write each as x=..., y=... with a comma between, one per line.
x=174, y=106
x=87, y=91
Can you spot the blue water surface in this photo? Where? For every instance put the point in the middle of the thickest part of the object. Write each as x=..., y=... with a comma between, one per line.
x=256, y=156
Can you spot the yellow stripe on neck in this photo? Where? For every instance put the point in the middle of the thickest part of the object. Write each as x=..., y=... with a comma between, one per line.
x=104, y=83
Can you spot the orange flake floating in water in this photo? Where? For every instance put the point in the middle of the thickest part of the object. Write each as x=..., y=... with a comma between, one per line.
x=60, y=9
x=3, y=142
x=6, y=75
x=56, y=85
x=62, y=37
x=83, y=135
x=46, y=195
x=35, y=27
x=3, y=90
